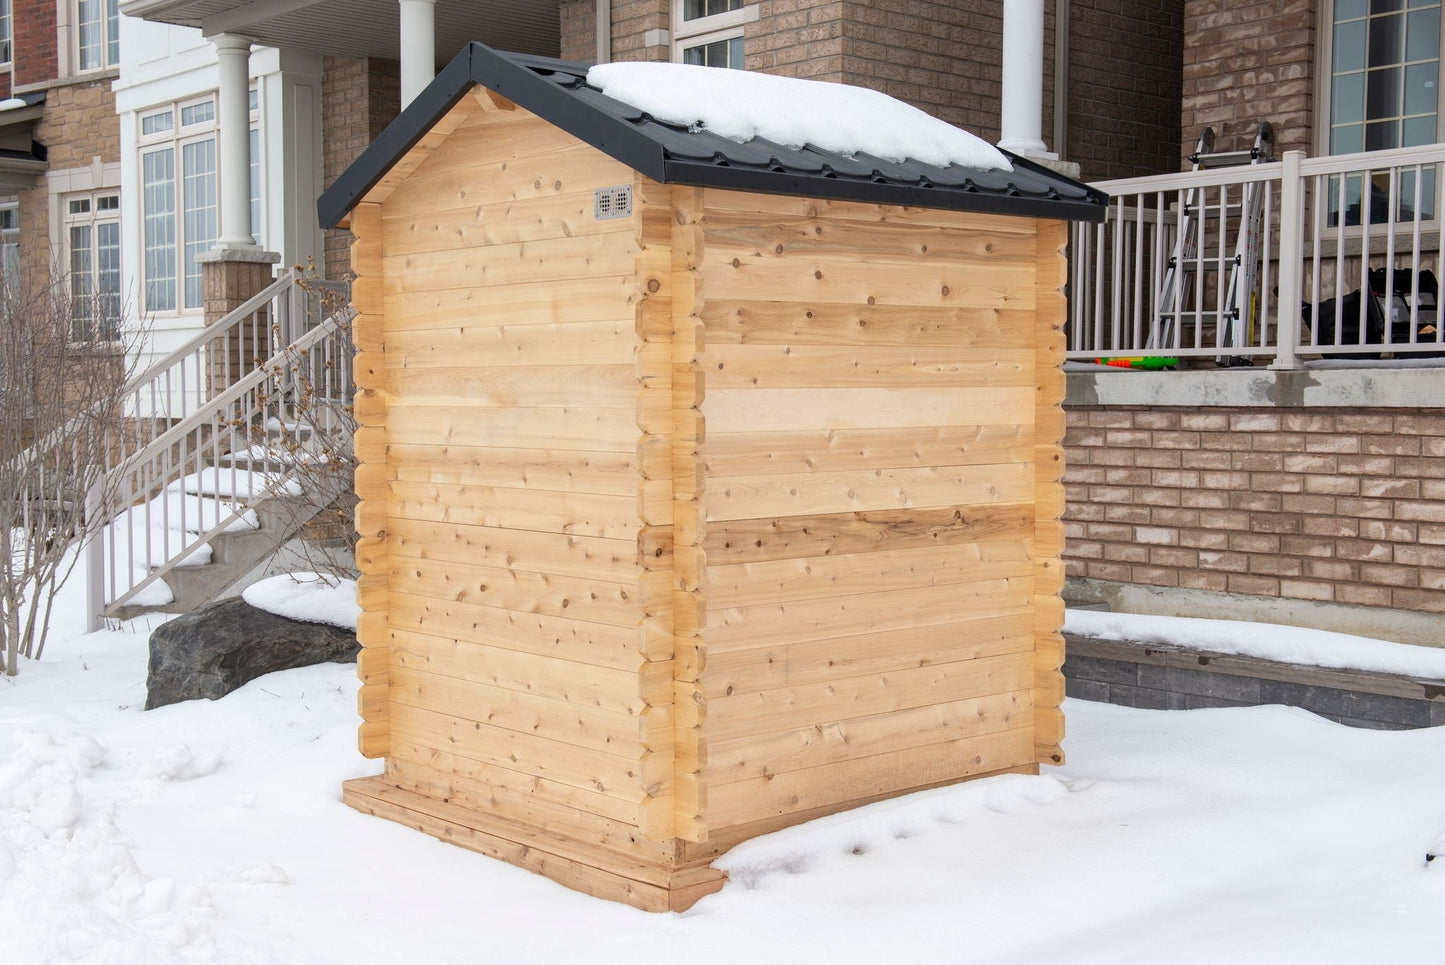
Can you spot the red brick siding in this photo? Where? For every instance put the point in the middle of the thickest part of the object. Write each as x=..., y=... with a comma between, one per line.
x=34, y=32
x=1247, y=61
x=1125, y=60
x=1343, y=506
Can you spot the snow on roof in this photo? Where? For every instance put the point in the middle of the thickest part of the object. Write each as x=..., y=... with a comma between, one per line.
x=742, y=105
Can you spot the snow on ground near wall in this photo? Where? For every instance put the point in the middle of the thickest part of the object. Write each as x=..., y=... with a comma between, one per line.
x=741, y=105
x=237, y=483
x=1296, y=645
x=212, y=832
x=307, y=596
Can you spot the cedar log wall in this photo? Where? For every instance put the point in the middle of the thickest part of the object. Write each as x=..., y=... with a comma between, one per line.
x=1327, y=505
x=587, y=614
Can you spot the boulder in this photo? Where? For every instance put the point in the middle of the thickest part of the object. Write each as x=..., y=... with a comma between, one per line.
x=222, y=646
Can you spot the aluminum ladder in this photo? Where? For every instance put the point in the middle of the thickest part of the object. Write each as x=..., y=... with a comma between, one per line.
x=1236, y=316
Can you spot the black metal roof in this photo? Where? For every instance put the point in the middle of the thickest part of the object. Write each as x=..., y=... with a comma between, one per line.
x=557, y=91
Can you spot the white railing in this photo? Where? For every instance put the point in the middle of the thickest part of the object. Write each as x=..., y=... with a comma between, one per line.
x=213, y=429
x=1345, y=242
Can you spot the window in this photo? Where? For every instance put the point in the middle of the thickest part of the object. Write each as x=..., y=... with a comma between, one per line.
x=92, y=235
x=1384, y=93
x=7, y=25
x=180, y=200
x=10, y=246
x=97, y=33
x=710, y=32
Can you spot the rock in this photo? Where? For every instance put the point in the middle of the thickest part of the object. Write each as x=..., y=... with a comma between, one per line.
x=222, y=646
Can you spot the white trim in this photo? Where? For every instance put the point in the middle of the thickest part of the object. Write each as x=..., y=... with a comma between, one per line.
x=687, y=34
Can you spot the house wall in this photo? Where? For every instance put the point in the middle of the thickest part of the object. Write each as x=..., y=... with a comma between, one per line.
x=1324, y=505
x=1247, y=62
x=946, y=59
x=359, y=96
x=876, y=451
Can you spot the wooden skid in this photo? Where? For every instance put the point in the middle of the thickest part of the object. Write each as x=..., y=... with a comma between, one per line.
x=579, y=865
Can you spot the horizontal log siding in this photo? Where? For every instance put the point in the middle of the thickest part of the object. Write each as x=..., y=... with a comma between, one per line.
x=870, y=467
x=518, y=672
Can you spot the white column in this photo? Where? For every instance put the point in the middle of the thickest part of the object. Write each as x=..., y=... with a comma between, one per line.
x=1023, y=77
x=233, y=140
x=418, y=47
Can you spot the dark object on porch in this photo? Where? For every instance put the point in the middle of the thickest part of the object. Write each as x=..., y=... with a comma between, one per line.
x=223, y=646
x=1345, y=314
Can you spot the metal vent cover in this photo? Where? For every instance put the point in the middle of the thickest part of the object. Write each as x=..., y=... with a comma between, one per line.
x=608, y=203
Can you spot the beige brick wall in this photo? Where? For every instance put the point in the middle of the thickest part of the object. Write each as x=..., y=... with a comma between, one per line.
x=1247, y=61
x=631, y=20
x=578, y=36
x=798, y=38
x=1331, y=505
x=359, y=97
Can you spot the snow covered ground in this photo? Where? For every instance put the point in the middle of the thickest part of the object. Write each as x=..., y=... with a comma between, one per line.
x=212, y=832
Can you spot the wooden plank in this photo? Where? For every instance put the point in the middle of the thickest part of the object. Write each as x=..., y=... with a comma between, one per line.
x=794, y=664
x=595, y=298
x=791, y=410
x=733, y=366
x=779, y=581
x=743, y=628
x=752, y=497
x=547, y=805
x=838, y=534
x=807, y=705
x=487, y=660
x=436, y=135
x=574, y=169
x=559, y=470
x=750, y=453
x=515, y=385
x=607, y=774
x=783, y=206
x=747, y=318
x=495, y=140
x=730, y=232
x=585, y=514
x=566, y=721
x=566, y=343
x=584, y=557
x=809, y=280
x=752, y=800
x=749, y=758
x=528, y=261
x=572, y=641
x=578, y=427
x=584, y=599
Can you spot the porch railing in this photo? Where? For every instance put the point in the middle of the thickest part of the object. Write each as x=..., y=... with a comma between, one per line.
x=1344, y=242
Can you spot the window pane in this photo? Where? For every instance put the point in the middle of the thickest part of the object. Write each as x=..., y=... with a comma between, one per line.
x=1385, y=6
x=156, y=123
x=112, y=27
x=735, y=53
x=256, y=186
x=107, y=279
x=1382, y=93
x=1348, y=9
x=198, y=113
x=1382, y=135
x=1347, y=139
x=6, y=26
x=696, y=9
x=1420, y=80
x=719, y=53
x=159, y=217
x=1347, y=103
x=81, y=293
x=1422, y=40
x=1417, y=131
x=198, y=198
x=1349, y=46
x=1387, y=40
x=89, y=34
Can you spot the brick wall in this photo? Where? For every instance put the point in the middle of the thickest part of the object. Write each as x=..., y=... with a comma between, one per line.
x=631, y=20
x=359, y=97
x=34, y=35
x=578, y=36
x=1247, y=61
x=797, y=38
x=1330, y=505
x=1124, y=121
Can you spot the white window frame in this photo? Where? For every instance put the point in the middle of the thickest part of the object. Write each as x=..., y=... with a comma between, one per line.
x=109, y=25
x=176, y=138
x=701, y=31
x=100, y=207
x=10, y=245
